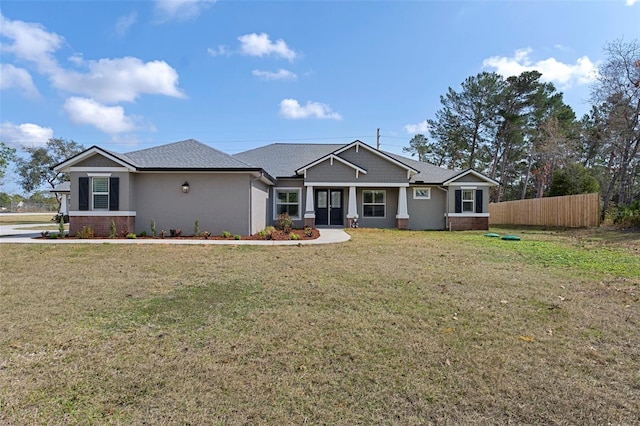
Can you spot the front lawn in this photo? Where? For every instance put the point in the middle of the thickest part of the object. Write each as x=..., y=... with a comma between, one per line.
x=392, y=327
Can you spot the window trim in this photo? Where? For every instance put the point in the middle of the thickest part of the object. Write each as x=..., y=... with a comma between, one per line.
x=472, y=201
x=384, y=203
x=421, y=197
x=94, y=193
x=275, y=201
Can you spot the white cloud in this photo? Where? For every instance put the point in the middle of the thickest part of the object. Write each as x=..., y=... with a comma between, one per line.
x=120, y=79
x=421, y=128
x=125, y=22
x=30, y=42
x=291, y=108
x=181, y=10
x=261, y=45
x=109, y=119
x=281, y=74
x=218, y=51
x=25, y=134
x=565, y=75
x=107, y=80
x=14, y=77
x=631, y=2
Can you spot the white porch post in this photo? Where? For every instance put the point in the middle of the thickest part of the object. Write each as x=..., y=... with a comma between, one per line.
x=353, y=205
x=310, y=210
x=352, y=211
x=64, y=209
x=402, y=218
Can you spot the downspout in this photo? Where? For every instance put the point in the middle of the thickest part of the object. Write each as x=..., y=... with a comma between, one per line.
x=447, y=224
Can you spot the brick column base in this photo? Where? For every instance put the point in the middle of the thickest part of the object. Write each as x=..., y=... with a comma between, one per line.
x=468, y=223
x=101, y=224
x=402, y=223
x=310, y=221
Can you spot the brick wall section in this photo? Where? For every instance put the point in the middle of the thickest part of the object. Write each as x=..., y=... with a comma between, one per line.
x=101, y=224
x=469, y=223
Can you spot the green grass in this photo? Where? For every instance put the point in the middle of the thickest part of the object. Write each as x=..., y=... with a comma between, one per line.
x=392, y=327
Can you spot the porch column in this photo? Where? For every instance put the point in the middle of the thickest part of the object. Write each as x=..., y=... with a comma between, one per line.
x=352, y=212
x=310, y=210
x=402, y=218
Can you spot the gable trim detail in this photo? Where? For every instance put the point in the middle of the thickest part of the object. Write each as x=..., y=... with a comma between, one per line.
x=331, y=158
x=88, y=153
x=358, y=144
x=472, y=172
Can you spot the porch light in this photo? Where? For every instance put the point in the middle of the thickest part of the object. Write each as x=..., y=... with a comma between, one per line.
x=185, y=187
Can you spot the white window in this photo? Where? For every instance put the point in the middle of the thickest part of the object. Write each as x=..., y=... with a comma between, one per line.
x=421, y=193
x=468, y=200
x=287, y=200
x=374, y=203
x=100, y=193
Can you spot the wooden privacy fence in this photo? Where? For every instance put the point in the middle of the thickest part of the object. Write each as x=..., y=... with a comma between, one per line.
x=571, y=211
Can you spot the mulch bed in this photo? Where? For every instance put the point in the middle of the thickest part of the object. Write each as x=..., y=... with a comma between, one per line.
x=276, y=235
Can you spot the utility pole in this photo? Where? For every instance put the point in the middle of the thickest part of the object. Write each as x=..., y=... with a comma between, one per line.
x=378, y=139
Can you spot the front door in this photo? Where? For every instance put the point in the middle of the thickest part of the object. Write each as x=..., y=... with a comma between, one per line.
x=329, y=207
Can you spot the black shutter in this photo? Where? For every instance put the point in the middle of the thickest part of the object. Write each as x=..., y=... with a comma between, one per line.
x=458, y=200
x=83, y=193
x=114, y=193
x=478, y=200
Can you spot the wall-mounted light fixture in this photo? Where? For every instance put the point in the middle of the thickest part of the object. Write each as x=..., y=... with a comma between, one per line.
x=185, y=187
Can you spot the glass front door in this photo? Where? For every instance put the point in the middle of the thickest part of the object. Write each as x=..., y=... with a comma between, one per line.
x=329, y=209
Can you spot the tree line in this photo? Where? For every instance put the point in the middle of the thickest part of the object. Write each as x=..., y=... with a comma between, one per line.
x=519, y=131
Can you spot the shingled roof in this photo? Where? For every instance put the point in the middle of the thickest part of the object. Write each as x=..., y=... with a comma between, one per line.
x=283, y=159
x=188, y=154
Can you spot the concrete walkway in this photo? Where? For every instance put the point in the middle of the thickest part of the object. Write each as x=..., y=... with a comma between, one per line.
x=22, y=234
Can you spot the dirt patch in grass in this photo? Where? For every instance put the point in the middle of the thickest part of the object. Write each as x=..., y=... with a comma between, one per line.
x=392, y=327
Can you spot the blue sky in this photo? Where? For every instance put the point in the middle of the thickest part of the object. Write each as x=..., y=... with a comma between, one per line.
x=127, y=75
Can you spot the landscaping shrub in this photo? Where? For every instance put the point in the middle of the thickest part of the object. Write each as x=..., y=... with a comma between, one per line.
x=285, y=222
x=85, y=232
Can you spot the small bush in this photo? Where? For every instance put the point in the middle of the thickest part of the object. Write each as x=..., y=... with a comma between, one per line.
x=175, y=232
x=196, y=228
x=628, y=216
x=285, y=222
x=143, y=234
x=226, y=234
x=294, y=236
x=131, y=236
x=44, y=234
x=113, y=231
x=206, y=235
x=308, y=231
x=53, y=236
x=85, y=232
x=237, y=237
x=267, y=232
x=163, y=233
x=61, y=225
x=154, y=232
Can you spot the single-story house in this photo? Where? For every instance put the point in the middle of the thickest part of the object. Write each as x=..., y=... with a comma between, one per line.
x=318, y=185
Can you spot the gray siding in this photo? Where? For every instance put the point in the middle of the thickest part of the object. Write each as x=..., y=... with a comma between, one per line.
x=451, y=205
x=336, y=172
x=259, y=206
x=427, y=214
x=389, y=221
x=125, y=190
x=97, y=160
x=287, y=183
x=378, y=168
x=220, y=202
